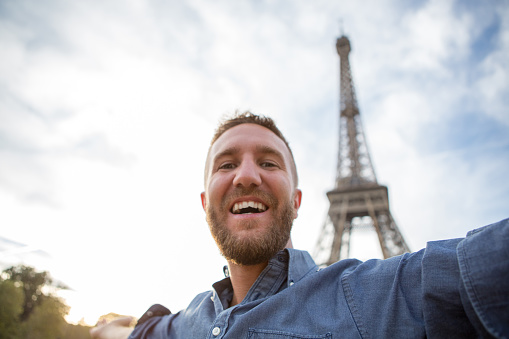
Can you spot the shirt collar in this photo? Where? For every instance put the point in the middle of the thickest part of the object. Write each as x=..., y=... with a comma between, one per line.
x=301, y=264
x=286, y=268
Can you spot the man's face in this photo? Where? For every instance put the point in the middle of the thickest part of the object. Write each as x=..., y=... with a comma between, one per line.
x=250, y=199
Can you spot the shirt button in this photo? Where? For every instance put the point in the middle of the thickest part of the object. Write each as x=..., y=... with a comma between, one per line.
x=216, y=331
x=291, y=283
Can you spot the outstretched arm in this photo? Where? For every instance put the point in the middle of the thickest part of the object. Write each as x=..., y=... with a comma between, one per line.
x=116, y=329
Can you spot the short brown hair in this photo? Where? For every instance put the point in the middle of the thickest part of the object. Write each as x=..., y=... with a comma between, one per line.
x=249, y=118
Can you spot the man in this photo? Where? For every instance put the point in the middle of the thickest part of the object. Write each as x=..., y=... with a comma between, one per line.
x=453, y=288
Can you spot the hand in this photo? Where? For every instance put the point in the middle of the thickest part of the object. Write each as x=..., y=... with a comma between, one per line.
x=117, y=329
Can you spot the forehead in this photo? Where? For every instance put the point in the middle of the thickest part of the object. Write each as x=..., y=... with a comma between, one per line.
x=247, y=137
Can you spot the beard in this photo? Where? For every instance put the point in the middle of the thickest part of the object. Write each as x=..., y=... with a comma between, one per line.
x=260, y=246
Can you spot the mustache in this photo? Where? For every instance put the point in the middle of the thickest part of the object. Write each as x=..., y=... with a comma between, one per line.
x=239, y=192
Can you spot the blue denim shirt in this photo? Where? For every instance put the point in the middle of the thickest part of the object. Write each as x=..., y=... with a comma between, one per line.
x=455, y=288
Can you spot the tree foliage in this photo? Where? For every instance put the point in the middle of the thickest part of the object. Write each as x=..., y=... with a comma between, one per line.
x=47, y=319
x=11, y=307
x=76, y=332
x=27, y=312
x=31, y=282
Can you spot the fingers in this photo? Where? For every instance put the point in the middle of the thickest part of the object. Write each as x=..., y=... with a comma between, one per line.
x=95, y=332
x=124, y=321
x=118, y=328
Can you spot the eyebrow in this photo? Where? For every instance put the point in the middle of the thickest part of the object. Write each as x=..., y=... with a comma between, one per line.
x=269, y=150
x=229, y=151
x=264, y=149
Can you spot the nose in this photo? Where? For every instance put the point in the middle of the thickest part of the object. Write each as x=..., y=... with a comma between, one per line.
x=247, y=175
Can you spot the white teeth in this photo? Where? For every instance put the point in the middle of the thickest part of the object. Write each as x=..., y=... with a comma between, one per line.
x=245, y=204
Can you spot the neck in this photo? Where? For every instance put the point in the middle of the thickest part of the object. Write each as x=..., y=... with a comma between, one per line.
x=243, y=277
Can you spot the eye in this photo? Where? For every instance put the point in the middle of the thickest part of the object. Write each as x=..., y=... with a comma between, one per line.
x=226, y=166
x=268, y=164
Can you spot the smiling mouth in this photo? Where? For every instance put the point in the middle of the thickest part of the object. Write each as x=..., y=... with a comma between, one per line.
x=248, y=207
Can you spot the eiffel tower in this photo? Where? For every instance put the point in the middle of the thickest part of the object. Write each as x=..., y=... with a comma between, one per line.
x=357, y=201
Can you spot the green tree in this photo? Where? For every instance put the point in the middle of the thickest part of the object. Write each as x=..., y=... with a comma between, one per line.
x=47, y=319
x=31, y=282
x=29, y=311
x=76, y=332
x=11, y=307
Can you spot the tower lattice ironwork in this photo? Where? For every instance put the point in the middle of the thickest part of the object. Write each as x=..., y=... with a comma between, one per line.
x=357, y=201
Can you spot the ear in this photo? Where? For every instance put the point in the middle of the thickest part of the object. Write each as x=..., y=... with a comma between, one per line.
x=203, y=200
x=297, y=197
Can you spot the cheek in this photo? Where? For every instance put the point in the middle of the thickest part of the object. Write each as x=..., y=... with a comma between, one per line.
x=283, y=188
x=217, y=187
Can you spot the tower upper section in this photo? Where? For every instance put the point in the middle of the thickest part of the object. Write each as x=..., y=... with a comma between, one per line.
x=348, y=99
x=354, y=163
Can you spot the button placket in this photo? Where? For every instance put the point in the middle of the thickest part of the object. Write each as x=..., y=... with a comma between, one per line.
x=216, y=331
x=220, y=325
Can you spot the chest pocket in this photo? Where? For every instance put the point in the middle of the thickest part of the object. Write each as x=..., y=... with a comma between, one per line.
x=268, y=334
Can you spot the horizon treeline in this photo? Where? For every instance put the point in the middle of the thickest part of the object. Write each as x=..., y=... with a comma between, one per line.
x=29, y=310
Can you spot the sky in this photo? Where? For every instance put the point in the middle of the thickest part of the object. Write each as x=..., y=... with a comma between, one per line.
x=107, y=109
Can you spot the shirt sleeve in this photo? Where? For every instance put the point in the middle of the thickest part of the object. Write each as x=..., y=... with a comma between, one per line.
x=483, y=258
x=456, y=288
x=466, y=287
x=444, y=310
x=146, y=326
